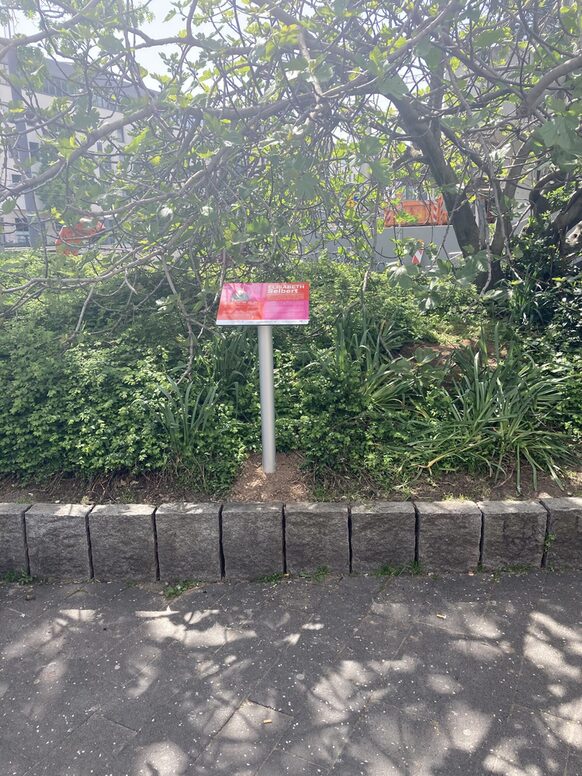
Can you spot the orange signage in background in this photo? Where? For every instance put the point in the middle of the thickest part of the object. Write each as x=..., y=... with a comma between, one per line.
x=429, y=212
x=71, y=238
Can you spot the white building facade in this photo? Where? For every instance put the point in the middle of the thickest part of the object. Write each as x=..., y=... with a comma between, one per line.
x=27, y=220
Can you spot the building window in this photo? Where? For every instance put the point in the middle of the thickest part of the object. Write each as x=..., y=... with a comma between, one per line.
x=22, y=232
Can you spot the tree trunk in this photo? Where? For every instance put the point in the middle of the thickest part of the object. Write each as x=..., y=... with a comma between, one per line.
x=460, y=211
x=567, y=218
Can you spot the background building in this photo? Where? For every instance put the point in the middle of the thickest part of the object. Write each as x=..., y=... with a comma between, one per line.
x=30, y=222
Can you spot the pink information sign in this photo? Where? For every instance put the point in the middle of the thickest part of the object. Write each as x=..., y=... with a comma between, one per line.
x=252, y=304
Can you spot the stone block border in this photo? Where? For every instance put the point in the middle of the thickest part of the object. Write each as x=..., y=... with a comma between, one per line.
x=209, y=541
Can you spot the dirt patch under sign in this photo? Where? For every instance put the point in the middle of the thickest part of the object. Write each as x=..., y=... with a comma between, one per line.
x=288, y=483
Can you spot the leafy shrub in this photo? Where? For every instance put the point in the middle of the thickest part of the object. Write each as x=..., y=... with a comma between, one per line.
x=34, y=383
x=185, y=414
x=205, y=441
x=346, y=389
x=109, y=409
x=215, y=455
x=330, y=431
x=337, y=290
x=354, y=393
x=83, y=408
x=499, y=414
x=565, y=328
x=543, y=288
x=568, y=412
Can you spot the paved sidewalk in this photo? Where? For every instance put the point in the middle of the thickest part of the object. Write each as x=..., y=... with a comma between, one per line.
x=407, y=676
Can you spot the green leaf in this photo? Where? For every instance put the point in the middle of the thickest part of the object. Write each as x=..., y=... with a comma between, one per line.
x=370, y=145
x=137, y=141
x=324, y=72
x=425, y=355
x=111, y=44
x=561, y=133
x=381, y=172
x=431, y=54
x=8, y=206
x=393, y=85
x=401, y=276
x=306, y=186
x=487, y=38
x=376, y=61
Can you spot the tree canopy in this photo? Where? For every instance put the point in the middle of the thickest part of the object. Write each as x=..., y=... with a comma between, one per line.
x=249, y=136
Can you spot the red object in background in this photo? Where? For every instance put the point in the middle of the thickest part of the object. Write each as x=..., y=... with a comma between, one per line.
x=70, y=237
x=430, y=212
x=417, y=258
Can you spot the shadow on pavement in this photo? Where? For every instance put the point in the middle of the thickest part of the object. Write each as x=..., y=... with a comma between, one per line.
x=411, y=676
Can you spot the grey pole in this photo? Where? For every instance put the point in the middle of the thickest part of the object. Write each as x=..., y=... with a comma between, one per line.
x=267, y=397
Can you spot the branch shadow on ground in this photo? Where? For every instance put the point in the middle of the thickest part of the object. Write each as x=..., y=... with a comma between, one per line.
x=408, y=676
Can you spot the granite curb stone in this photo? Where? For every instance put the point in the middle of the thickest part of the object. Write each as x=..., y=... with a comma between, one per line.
x=450, y=534
x=57, y=541
x=122, y=541
x=513, y=533
x=383, y=534
x=564, y=532
x=188, y=541
x=12, y=543
x=252, y=539
x=317, y=536
x=202, y=541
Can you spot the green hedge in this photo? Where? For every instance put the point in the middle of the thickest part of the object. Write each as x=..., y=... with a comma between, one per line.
x=364, y=392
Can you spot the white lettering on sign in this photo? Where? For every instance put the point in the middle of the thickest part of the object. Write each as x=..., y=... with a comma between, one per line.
x=282, y=289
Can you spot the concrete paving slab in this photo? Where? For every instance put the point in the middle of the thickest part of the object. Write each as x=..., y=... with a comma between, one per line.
x=244, y=743
x=319, y=735
x=87, y=751
x=58, y=696
x=374, y=644
x=337, y=677
x=291, y=593
x=390, y=741
x=280, y=763
x=332, y=620
x=435, y=671
x=574, y=767
x=456, y=604
x=297, y=677
x=551, y=673
x=278, y=625
x=35, y=600
x=20, y=744
x=172, y=733
x=533, y=739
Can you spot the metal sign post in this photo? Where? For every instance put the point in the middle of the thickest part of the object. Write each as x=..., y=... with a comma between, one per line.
x=267, y=397
x=264, y=305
